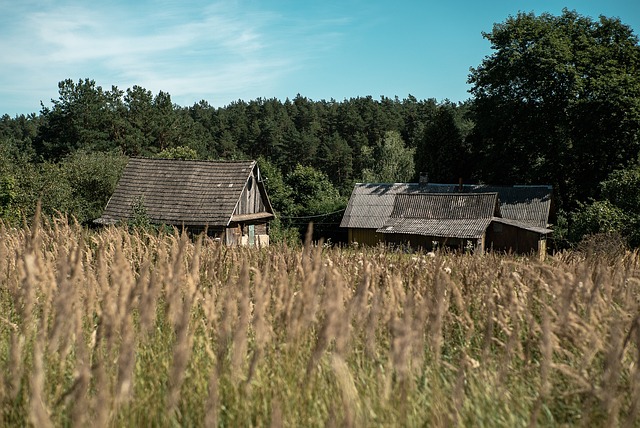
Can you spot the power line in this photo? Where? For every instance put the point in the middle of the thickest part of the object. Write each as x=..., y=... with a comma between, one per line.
x=313, y=216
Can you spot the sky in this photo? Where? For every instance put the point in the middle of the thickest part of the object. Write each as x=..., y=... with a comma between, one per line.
x=224, y=51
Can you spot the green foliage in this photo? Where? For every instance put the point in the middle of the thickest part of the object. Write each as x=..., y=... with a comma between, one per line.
x=312, y=192
x=325, y=135
x=560, y=236
x=82, y=117
x=280, y=193
x=617, y=212
x=314, y=199
x=622, y=188
x=139, y=217
x=442, y=152
x=336, y=160
x=53, y=190
x=391, y=161
x=79, y=185
x=597, y=217
x=8, y=195
x=558, y=101
x=179, y=152
x=281, y=232
x=92, y=178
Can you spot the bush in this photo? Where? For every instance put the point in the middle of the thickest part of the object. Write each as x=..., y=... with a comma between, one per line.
x=610, y=246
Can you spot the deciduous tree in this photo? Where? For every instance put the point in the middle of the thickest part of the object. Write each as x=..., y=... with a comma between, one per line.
x=392, y=160
x=558, y=101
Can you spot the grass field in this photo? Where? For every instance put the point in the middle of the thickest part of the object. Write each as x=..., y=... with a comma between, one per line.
x=113, y=328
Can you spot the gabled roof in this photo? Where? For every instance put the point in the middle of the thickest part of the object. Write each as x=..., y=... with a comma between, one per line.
x=445, y=206
x=371, y=203
x=183, y=192
x=464, y=229
x=456, y=215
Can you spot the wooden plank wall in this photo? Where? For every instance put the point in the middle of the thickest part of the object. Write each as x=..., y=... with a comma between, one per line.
x=251, y=200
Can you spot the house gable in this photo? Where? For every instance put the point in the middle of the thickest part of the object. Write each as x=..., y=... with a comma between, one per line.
x=253, y=203
x=187, y=192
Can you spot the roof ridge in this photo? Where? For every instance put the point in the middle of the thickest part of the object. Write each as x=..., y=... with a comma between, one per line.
x=194, y=160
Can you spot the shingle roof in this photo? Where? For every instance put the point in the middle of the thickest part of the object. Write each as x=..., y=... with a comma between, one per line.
x=458, y=215
x=446, y=228
x=528, y=204
x=451, y=206
x=371, y=203
x=179, y=192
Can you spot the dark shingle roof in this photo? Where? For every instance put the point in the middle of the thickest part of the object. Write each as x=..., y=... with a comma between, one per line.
x=371, y=203
x=450, y=206
x=457, y=215
x=527, y=204
x=445, y=228
x=179, y=192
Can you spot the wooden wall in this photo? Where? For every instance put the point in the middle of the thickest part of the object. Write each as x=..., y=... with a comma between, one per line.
x=251, y=200
x=426, y=243
x=504, y=237
x=365, y=236
x=238, y=234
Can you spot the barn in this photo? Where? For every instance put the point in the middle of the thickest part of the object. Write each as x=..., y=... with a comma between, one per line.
x=228, y=199
x=520, y=223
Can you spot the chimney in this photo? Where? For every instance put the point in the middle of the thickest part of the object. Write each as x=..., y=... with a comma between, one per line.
x=424, y=179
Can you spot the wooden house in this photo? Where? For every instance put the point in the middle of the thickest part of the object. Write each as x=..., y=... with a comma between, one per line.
x=520, y=224
x=226, y=198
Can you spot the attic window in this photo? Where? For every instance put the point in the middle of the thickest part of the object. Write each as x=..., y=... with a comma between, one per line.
x=250, y=183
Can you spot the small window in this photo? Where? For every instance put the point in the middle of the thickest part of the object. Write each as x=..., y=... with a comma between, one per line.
x=497, y=227
x=250, y=183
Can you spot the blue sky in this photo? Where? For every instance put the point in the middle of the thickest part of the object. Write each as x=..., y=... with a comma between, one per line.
x=221, y=51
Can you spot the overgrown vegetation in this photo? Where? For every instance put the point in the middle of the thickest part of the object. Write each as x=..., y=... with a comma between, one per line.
x=132, y=329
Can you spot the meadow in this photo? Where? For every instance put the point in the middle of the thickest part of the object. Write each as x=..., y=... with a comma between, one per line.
x=120, y=328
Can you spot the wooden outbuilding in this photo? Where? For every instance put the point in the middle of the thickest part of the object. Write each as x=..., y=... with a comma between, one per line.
x=228, y=199
x=520, y=223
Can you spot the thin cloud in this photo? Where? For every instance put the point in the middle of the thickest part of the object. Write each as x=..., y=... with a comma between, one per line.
x=224, y=53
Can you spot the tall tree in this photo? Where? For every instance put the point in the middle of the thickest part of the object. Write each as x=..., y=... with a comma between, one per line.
x=336, y=160
x=312, y=192
x=558, y=101
x=91, y=178
x=442, y=152
x=391, y=160
x=81, y=117
x=139, y=115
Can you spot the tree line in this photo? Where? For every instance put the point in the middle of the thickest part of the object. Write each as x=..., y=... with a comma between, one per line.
x=557, y=102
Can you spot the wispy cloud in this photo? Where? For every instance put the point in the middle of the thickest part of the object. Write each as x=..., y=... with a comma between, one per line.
x=218, y=52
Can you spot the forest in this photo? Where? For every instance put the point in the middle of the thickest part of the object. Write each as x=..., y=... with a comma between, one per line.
x=557, y=102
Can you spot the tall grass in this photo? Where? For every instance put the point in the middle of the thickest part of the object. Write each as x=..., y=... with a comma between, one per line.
x=121, y=329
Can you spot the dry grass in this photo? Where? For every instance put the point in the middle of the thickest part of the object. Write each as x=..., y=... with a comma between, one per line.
x=120, y=329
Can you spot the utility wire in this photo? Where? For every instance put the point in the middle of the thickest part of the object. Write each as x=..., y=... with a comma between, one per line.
x=313, y=216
